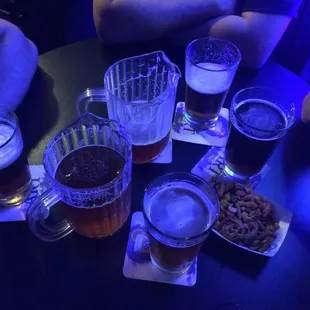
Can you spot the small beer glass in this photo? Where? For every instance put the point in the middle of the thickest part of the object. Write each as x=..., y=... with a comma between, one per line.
x=179, y=210
x=15, y=179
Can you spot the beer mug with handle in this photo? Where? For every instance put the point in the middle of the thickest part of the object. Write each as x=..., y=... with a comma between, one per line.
x=88, y=166
x=140, y=94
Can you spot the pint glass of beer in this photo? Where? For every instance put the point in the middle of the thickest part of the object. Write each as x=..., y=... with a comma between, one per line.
x=210, y=67
x=15, y=180
x=259, y=117
x=179, y=210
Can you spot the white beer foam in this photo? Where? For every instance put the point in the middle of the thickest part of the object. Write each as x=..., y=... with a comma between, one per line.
x=258, y=119
x=208, y=82
x=180, y=210
x=11, y=151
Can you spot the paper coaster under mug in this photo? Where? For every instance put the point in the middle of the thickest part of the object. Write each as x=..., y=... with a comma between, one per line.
x=217, y=136
x=165, y=157
x=39, y=185
x=212, y=165
x=138, y=265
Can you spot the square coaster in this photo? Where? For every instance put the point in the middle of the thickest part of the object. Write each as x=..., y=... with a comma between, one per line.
x=216, y=136
x=39, y=185
x=212, y=165
x=165, y=157
x=138, y=265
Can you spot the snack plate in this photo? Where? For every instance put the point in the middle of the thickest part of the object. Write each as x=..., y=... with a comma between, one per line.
x=281, y=215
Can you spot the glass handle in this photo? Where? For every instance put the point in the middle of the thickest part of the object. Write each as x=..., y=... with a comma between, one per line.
x=88, y=96
x=47, y=225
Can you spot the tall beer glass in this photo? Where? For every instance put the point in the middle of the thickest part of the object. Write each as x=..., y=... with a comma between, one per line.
x=259, y=117
x=210, y=67
x=15, y=180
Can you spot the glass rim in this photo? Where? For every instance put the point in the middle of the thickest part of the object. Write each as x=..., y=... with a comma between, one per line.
x=290, y=121
x=184, y=174
x=149, y=103
x=236, y=64
x=11, y=113
x=96, y=188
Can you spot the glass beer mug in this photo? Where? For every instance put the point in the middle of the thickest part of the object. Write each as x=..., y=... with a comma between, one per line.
x=88, y=166
x=140, y=94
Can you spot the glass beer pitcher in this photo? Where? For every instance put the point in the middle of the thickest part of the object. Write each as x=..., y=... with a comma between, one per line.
x=140, y=94
x=88, y=166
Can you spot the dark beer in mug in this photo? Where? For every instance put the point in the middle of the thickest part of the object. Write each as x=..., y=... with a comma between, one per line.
x=90, y=167
x=205, y=97
x=257, y=126
x=15, y=179
x=179, y=215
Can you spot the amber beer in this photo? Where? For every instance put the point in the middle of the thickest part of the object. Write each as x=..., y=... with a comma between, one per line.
x=144, y=153
x=90, y=167
x=148, y=142
x=15, y=179
x=257, y=127
x=178, y=215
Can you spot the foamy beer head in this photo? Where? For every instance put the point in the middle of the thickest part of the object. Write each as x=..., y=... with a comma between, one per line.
x=260, y=117
x=210, y=67
x=11, y=145
x=15, y=182
x=179, y=210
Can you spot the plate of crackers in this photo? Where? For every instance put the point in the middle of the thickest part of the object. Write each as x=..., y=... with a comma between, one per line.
x=250, y=221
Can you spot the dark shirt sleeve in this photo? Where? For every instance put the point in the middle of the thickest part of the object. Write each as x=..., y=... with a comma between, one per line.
x=283, y=7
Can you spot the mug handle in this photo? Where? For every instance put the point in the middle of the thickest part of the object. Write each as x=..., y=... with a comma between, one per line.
x=38, y=218
x=88, y=96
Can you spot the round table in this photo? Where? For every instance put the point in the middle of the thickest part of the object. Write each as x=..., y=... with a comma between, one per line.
x=79, y=272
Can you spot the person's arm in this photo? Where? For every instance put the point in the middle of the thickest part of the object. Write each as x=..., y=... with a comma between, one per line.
x=121, y=21
x=255, y=34
x=18, y=62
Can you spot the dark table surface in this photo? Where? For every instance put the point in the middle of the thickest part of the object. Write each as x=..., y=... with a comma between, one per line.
x=81, y=273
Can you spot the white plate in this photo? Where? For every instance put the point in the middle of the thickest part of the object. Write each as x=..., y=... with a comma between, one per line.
x=281, y=215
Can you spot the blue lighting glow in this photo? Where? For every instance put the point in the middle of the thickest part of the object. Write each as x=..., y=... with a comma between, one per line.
x=228, y=171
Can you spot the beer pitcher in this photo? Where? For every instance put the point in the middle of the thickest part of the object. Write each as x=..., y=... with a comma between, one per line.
x=140, y=94
x=88, y=166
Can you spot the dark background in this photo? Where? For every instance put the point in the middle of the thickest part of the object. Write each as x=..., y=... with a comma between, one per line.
x=54, y=23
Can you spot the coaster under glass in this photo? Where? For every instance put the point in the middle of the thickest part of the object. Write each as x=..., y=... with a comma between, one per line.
x=212, y=165
x=216, y=135
x=138, y=263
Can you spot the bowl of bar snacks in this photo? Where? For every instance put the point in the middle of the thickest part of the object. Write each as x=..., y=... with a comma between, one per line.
x=250, y=221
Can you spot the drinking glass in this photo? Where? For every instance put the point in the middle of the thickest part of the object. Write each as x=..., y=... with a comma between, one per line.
x=88, y=166
x=140, y=94
x=210, y=67
x=15, y=179
x=179, y=210
x=259, y=117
